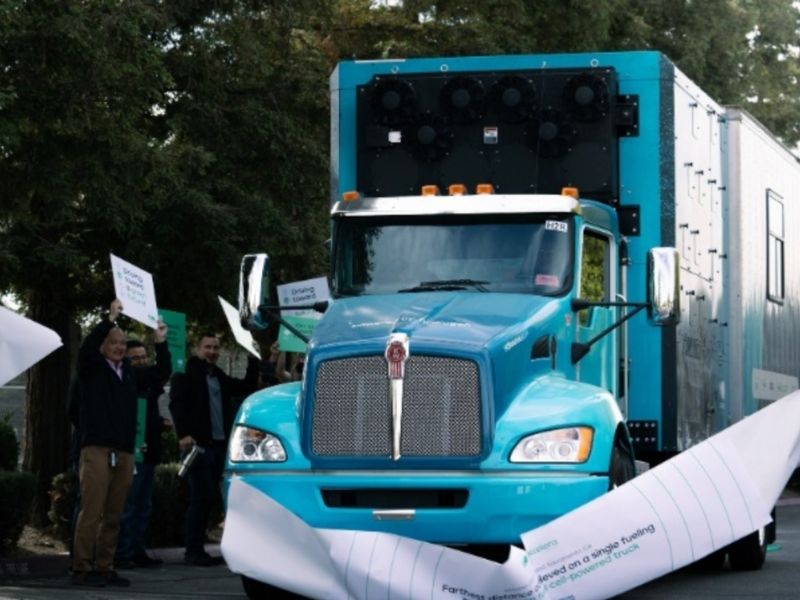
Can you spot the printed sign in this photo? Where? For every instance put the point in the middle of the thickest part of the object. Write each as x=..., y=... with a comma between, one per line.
x=559, y=226
x=134, y=288
x=300, y=293
x=176, y=337
x=289, y=342
x=768, y=385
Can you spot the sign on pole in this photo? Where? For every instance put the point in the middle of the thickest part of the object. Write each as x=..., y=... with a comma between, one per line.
x=176, y=337
x=300, y=293
x=134, y=288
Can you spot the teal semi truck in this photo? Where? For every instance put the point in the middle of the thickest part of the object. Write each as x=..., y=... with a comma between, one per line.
x=543, y=267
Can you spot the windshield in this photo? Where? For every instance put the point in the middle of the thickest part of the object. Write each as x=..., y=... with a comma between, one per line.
x=483, y=253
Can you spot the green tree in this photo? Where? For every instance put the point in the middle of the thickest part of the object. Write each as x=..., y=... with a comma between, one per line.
x=175, y=135
x=741, y=52
x=79, y=81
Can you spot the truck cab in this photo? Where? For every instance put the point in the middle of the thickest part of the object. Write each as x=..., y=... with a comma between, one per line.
x=463, y=383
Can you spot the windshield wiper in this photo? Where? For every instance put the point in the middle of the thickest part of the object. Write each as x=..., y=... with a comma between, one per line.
x=447, y=285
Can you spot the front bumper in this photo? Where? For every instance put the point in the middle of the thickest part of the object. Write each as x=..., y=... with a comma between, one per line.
x=499, y=506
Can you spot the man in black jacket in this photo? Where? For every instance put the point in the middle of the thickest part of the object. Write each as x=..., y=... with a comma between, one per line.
x=107, y=432
x=136, y=516
x=203, y=407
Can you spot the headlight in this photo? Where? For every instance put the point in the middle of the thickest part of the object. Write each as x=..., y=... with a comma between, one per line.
x=570, y=445
x=253, y=445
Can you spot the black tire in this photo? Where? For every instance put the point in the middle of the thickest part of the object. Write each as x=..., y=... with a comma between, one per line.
x=258, y=590
x=713, y=562
x=621, y=468
x=749, y=553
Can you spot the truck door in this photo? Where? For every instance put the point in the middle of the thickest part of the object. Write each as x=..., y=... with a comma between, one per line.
x=598, y=283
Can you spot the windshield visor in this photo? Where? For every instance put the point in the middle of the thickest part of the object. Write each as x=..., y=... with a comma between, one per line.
x=528, y=254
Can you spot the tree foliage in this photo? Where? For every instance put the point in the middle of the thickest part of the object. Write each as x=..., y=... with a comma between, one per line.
x=742, y=52
x=180, y=135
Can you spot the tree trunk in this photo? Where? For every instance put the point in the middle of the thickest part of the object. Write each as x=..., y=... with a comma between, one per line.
x=47, y=428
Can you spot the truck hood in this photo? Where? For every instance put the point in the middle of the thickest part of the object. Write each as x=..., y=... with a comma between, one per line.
x=465, y=319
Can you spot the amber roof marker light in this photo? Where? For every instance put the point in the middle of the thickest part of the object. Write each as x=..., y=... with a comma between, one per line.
x=457, y=189
x=570, y=191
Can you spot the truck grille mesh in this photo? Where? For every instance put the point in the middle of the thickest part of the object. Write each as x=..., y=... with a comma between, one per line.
x=353, y=409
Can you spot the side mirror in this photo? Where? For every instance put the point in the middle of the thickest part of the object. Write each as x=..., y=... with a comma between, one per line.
x=253, y=285
x=663, y=286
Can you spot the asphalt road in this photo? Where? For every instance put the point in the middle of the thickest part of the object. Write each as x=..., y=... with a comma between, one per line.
x=780, y=578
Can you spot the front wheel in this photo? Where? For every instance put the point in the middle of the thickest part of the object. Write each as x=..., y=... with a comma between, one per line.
x=621, y=468
x=713, y=562
x=749, y=553
x=258, y=590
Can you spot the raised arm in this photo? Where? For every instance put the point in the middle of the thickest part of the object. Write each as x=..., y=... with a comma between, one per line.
x=89, y=354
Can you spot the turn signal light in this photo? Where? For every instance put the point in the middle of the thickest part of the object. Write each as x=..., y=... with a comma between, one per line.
x=352, y=195
x=457, y=189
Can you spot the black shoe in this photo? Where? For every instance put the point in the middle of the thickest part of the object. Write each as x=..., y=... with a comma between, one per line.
x=125, y=563
x=144, y=561
x=86, y=578
x=112, y=578
x=202, y=560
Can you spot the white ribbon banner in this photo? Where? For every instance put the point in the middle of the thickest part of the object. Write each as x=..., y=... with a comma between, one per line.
x=705, y=498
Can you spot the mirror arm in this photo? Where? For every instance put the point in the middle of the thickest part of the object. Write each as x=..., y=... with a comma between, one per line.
x=274, y=313
x=580, y=349
x=580, y=304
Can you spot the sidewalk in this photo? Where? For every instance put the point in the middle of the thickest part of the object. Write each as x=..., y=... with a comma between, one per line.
x=57, y=565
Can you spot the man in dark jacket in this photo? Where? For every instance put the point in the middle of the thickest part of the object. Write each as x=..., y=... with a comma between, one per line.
x=107, y=431
x=136, y=516
x=203, y=407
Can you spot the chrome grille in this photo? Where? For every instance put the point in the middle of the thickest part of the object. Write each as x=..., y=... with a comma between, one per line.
x=353, y=412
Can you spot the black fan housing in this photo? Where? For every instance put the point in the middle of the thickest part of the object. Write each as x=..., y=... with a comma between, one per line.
x=551, y=134
x=430, y=136
x=463, y=99
x=393, y=101
x=586, y=97
x=514, y=98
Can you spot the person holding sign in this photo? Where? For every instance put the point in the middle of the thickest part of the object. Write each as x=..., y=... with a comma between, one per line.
x=107, y=404
x=150, y=380
x=203, y=407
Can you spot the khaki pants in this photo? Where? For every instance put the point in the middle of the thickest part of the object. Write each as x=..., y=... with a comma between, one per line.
x=103, y=493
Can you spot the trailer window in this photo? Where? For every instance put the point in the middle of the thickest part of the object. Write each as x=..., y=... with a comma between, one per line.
x=775, y=242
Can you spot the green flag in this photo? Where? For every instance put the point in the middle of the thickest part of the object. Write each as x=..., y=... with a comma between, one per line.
x=141, y=428
x=176, y=337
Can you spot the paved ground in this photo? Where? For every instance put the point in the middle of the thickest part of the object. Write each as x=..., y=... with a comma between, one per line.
x=46, y=578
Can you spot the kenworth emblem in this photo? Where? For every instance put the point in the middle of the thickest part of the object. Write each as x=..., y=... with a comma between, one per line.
x=396, y=356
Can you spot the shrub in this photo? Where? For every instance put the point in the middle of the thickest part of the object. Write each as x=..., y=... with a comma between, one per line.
x=62, y=504
x=167, y=521
x=169, y=446
x=16, y=494
x=9, y=447
x=170, y=500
